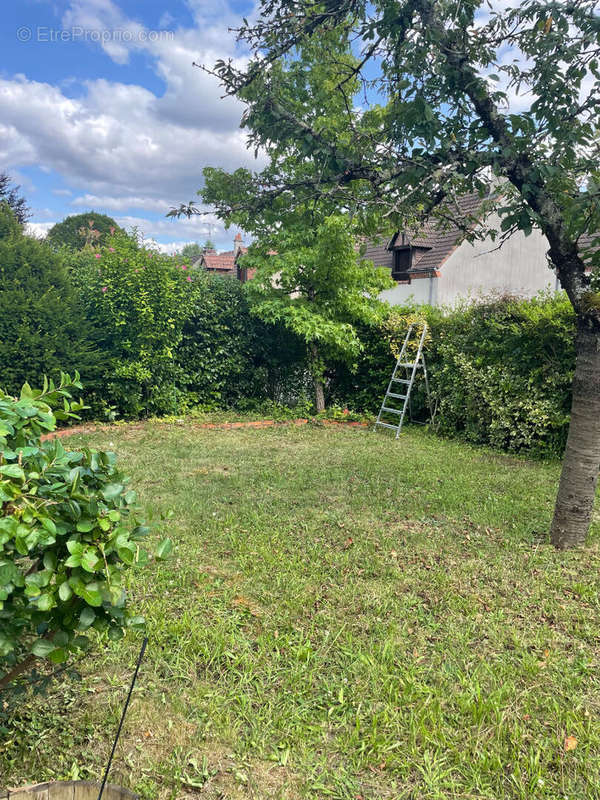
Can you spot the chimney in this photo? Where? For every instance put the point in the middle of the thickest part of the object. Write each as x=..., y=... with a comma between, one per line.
x=238, y=243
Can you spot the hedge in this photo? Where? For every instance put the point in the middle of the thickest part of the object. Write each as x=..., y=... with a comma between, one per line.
x=500, y=371
x=149, y=335
x=43, y=326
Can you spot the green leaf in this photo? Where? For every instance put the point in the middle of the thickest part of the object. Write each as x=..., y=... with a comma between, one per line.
x=42, y=648
x=50, y=560
x=12, y=471
x=90, y=559
x=112, y=491
x=90, y=592
x=86, y=619
x=164, y=549
x=45, y=602
x=58, y=656
x=65, y=592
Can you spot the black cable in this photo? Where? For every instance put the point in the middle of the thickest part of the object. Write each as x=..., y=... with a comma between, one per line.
x=114, y=747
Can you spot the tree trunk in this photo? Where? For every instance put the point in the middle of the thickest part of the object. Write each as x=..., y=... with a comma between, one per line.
x=317, y=376
x=319, y=396
x=581, y=462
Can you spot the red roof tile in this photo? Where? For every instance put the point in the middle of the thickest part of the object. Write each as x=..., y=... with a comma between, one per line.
x=220, y=262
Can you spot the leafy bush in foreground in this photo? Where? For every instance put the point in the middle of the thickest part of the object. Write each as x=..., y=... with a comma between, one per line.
x=67, y=532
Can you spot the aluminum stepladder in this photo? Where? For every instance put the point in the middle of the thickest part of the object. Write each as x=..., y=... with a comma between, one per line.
x=408, y=380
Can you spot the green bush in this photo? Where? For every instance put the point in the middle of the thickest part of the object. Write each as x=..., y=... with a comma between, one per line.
x=216, y=353
x=67, y=533
x=139, y=301
x=500, y=371
x=227, y=357
x=42, y=321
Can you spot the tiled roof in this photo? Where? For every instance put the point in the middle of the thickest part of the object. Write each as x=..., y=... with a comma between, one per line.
x=221, y=262
x=377, y=252
x=443, y=238
x=439, y=237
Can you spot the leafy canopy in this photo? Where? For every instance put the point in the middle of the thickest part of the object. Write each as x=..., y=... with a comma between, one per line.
x=314, y=282
x=9, y=194
x=456, y=97
x=81, y=230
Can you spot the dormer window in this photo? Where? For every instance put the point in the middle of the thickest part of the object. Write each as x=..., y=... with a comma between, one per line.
x=402, y=263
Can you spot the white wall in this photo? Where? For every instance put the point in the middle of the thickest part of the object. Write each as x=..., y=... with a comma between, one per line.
x=421, y=290
x=518, y=267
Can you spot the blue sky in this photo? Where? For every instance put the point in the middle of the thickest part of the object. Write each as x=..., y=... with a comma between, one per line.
x=101, y=108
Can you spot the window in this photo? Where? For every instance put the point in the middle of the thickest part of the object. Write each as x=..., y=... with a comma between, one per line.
x=402, y=263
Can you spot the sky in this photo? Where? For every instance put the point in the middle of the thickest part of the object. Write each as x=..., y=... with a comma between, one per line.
x=102, y=109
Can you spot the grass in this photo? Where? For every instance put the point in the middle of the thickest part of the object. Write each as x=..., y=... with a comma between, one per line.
x=345, y=616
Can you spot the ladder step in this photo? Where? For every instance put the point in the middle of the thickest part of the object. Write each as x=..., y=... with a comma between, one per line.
x=407, y=380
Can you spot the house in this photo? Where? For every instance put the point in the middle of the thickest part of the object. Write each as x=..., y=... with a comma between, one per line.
x=223, y=263
x=437, y=266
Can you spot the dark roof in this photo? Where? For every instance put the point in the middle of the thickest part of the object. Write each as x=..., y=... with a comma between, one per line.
x=377, y=252
x=436, y=239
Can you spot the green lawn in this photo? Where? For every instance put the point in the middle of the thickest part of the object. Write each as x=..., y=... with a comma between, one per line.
x=345, y=616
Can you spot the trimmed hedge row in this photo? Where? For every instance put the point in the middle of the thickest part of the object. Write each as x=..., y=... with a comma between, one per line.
x=147, y=334
x=500, y=371
x=151, y=336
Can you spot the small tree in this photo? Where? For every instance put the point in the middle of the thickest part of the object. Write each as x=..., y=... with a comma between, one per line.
x=67, y=533
x=315, y=283
x=10, y=194
x=193, y=250
x=83, y=230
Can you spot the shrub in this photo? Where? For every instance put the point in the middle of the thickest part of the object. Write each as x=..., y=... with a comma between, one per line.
x=42, y=322
x=67, y=533
x=500, y=371
x=216, y=354
x=139, y=300
x=227, y=357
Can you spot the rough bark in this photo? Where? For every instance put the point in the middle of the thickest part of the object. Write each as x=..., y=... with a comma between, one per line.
x=317, y=376
x=577, y=489
x=319, y=396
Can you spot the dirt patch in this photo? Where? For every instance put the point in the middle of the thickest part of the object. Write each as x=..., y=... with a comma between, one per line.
x=263, y=423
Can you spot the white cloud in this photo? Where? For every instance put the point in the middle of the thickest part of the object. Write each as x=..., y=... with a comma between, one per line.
x=123, y=203
x=38, y=229
x=121, y=146
x=195, y=229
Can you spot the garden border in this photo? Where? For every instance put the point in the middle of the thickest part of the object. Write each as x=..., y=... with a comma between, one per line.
x=263, y=423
